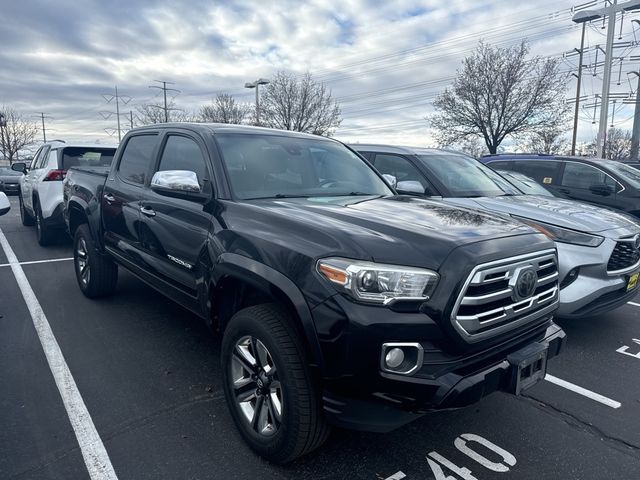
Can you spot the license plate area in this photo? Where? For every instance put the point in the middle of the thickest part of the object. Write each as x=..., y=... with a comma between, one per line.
x=528, y=367
x=632, y=282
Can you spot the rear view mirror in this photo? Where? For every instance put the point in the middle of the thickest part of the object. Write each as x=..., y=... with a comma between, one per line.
x=5, y=206
x=177, y=183
x=601, y=189
x=391, y=180
x=19, y=167
x=411, y=186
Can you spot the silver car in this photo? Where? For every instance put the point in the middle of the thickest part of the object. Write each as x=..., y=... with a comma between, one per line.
x=598, y=249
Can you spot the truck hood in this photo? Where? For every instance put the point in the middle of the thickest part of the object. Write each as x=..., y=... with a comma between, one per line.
x=555, y=211
x=399, y=229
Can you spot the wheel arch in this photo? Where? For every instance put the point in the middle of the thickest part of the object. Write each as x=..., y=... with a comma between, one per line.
x=233, y=271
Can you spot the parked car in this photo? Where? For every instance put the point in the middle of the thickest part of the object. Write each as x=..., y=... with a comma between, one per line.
x=5, y=205
x=9, y=180
x=339, y=302
x=598, y=249
x=40, y=192
x=602, y=182
x=525, y=184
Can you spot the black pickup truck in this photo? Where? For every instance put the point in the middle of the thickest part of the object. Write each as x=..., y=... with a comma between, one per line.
x=338, y=301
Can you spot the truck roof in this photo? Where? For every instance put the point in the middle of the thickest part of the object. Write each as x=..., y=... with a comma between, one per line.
x=229, y=128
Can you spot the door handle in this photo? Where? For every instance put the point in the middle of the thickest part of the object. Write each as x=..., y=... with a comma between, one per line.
x=109, y=198
x=148, y=211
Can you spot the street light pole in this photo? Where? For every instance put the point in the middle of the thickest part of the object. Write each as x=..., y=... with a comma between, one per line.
x=256, y=85
x=575, y=117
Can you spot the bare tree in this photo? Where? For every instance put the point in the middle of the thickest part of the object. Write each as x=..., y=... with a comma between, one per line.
x=550, y=140
x=16, y=134
x=499, y=93
x=300, y=104
x=472, y=146
x=149, y=113
x=225, y=109
x=617, y=145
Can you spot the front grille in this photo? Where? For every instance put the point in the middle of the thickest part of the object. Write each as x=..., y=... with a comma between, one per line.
x=489, y=302
x=625, y=255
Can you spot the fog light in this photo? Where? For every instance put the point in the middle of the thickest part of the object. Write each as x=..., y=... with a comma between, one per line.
x=401, y=358
x=394, y=358
x=571, y=277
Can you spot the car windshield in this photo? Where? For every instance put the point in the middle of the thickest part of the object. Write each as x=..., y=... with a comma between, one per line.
x=629, y=174
x=86, y=157
x=525, y=184
x=464, y=176
x=271, y=166
x=8, y=172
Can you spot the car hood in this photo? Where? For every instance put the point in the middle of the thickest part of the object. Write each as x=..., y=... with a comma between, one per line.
x=397, y=229
x=563, y=213
x=10, y=178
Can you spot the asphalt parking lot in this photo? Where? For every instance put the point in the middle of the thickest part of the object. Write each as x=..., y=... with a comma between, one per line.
x=149, y=376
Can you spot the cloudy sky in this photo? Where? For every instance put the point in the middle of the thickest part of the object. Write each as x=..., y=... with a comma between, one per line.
x=384, y=61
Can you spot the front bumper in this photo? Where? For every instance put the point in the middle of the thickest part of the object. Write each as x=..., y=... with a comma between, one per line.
x=594, y=291
x=399, y=399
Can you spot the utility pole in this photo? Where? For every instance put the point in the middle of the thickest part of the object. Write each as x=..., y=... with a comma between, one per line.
x=118, y=98
x=131, y=118
x=635, y=136
x=164, y=91
x=586, y=16
x=575, y=115
x=42, y=116
x=256, y=85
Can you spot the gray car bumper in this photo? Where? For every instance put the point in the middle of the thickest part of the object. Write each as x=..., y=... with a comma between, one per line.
x=594, y=290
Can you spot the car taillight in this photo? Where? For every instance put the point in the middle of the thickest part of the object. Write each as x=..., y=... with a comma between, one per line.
x=55, y=176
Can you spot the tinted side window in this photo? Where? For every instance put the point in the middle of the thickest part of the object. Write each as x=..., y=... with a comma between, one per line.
x=182, y=153
x=580, y=175
x=399, y=167
x=136, y=158
x=543, y=171
x=501, y=165
x=49, y=161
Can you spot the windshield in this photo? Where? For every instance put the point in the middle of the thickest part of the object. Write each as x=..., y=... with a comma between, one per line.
x=267, y=166
x=525, y=184
x=86, y=157
x=463, y=176
x=8, y=172
x=629, y=174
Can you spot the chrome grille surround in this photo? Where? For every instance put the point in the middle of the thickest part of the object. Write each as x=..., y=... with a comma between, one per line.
x=487, y=305
x=625, y=257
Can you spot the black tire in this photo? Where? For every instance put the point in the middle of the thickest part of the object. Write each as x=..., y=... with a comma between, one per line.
x=96, y=274
x=27, y=220
x=301, y=427
x=46, y=236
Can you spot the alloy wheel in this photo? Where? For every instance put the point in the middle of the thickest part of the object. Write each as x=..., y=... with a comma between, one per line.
x=257, y=389
x=82, y=258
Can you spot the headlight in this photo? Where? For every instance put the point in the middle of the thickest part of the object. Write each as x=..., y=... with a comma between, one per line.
x=564, y=235
x=378, y=283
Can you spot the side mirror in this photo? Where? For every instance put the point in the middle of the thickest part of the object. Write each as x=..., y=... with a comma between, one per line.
x=391, y=180
x=177, y=183
x=601, y=189
x=5, y=206
x=411, y=186
x=19, y=167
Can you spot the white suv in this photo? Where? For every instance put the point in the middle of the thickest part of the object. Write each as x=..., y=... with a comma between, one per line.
x=41, y=186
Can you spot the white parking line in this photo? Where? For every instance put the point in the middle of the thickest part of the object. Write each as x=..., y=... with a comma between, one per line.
x=95, y=455
x=582, y=391
x=38, y=261
x=634, y=304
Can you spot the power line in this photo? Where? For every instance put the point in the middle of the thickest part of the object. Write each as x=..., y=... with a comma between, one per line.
x=164, y=91
x=42, y=116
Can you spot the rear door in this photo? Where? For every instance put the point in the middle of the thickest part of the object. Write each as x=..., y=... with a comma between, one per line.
x=31, y=176
x=123, y=193
x=174, y=231
x=580, y=181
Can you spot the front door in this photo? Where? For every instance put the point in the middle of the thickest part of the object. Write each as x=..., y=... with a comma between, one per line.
x=174, y=231
x=590, y=184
